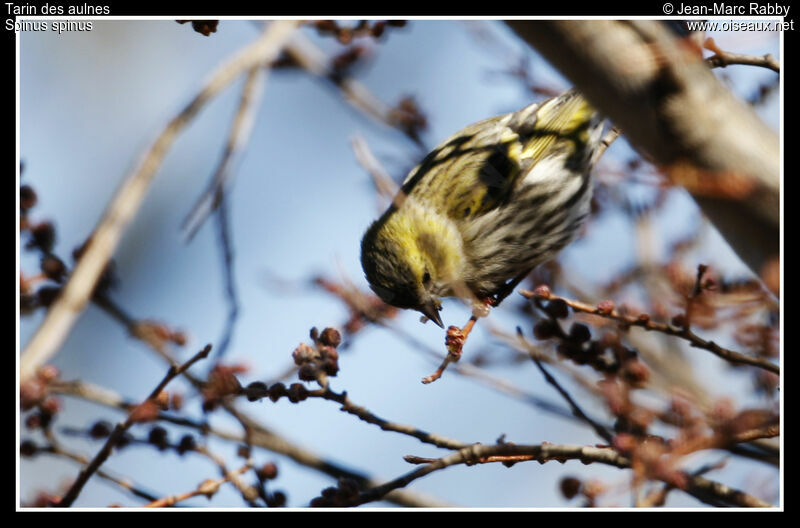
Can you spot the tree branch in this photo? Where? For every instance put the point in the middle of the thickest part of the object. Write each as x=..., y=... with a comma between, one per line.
x=660, y=92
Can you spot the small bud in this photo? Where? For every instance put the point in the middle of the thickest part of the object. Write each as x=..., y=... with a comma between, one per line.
x=303, y=354
x=208, y=487
x=27, y=197
x=297, y=393
x=47, y=294
x=186, y=444
x=579, y=333
x=570, y=486
x=47, y=373
x=572, y=351
x=27, y=448
x=43, y=237
x=307, y=372
x=679, y=321
x=162, y=400
x=624, y=443
x=100, y=430
x=545, y=329
x=542, y=292
x=276, y=391
x=158, y=437
x=268, y=471
x=33, y=421
x=636, y=373
x=330, y=337
x=378, y=28
x=557, y=308
x=256, y=390
x=31, y=393
x=328, y=353
x=53, y=267
x=176, y=401
x=51, y=405
x=276, y=500
x=605, y=307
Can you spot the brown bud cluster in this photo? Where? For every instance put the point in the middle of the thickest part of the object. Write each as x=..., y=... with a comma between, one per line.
x=320, y=360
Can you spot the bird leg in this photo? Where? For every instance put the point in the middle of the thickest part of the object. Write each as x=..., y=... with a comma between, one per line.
x=506, y=290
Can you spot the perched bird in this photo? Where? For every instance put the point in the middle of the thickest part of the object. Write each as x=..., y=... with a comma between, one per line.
x=485, y=207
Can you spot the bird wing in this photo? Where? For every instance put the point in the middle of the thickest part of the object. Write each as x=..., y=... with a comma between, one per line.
x=477, y=169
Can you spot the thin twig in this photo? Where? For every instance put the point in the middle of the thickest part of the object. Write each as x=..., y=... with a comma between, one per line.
x=609, y=137
x=699, y=487
x=721, y=59
x=226, y=245
x=59, y=450
x=576, y=410
x=238, y=138
x=664, y=328
x=120, y=429
x=386, y=187
x=248, y=492
x=364, y=414
x=256, y=434
x=70, y=303
x=208, y=488
x=314, y=60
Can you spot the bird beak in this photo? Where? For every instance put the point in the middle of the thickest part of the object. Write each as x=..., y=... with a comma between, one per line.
x=431, y=311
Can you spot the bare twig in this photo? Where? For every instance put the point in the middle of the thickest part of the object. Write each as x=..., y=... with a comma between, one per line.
x=226, y=244
x=645, y=322
x=207, y=488
x=238, y=138
x=120, y=429
x=384, y=184
x=59, y=450
x=364, y=414
x=257, y=435
x=699, y=487
x=314, y=60
x=609, y=137
x=122, y=208
x=576, y=410
x=721, y=58
x=248, y=492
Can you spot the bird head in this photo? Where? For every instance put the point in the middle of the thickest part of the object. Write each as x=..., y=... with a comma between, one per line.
x=411, y=257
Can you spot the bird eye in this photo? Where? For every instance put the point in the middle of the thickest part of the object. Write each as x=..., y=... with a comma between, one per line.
x=426, y=278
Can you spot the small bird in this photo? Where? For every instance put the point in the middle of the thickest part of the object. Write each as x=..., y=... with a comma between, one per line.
x=485, y=207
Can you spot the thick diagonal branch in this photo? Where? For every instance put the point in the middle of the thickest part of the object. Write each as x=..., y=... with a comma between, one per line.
x=658, y=90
